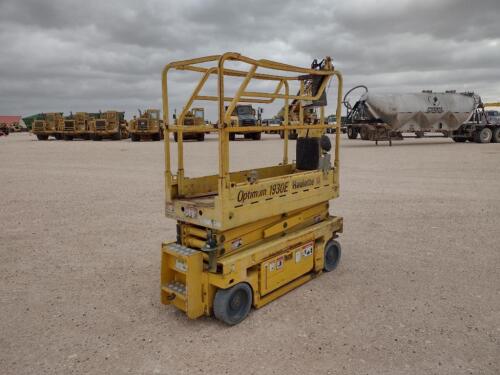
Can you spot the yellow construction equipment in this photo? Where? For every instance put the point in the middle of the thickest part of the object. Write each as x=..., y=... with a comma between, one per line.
x=147, y=125
x=49, y=124
x=194, y=117
x=245, y=238
x=109, y=124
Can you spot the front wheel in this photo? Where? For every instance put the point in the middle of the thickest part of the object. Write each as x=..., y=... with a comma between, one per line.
x=332, y=255
x=352, y=133
x=232, y=305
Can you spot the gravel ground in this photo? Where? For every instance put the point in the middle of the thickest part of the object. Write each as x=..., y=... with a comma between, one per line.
x=417, y=290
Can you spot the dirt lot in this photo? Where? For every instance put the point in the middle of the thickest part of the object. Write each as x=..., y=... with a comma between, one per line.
x=417, y=291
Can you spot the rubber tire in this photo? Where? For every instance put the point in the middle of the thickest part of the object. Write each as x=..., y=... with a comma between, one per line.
x=135, y=138
x=156, y=137
x=118, y=135
x=58, y=136
x=96, y=138
x=232, y=136
x=332, y=254
x=224, y=298
x=483, y=136
x=256, y=136
x=459, y=139
x=68, y=137
x=201, y=137
x=364, y=133
x=352, y=133
x=495, y=137
x=42, y=137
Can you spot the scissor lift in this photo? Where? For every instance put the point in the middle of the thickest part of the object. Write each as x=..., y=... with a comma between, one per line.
x=246, y=238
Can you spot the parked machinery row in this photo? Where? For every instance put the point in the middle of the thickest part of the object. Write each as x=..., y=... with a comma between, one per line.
x=98, y=126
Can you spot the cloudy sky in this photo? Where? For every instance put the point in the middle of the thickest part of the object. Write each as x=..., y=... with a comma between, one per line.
x=65, y=55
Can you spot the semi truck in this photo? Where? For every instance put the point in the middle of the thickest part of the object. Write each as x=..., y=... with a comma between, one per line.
x=147, y=126
x=390, y=117
x=244, y=115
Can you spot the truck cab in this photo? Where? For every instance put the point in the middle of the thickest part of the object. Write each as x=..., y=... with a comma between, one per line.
x=244, y=116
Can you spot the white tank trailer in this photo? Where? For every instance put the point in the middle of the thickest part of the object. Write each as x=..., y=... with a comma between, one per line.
x=460, y=116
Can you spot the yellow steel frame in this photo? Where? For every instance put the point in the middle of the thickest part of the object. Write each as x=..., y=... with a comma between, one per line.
x=178, y=186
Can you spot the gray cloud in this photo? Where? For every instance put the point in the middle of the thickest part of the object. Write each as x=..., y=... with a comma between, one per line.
x=70, y=55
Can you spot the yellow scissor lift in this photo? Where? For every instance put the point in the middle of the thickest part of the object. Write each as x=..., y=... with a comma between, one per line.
x=245, y=238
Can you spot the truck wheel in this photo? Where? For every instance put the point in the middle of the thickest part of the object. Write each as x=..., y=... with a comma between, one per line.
x=118, y=135
x=58, y=136
x=42, y=137
x=232, y=136
x=332, y=255
x=68, y=137
x=459, y=139
x=134, y=138
x=495, y=137
x=201, y=137
x=352, y=133
x=483, y=136
x=232, y=305
x=364, y=133
x=96, y=138
x=256, y=136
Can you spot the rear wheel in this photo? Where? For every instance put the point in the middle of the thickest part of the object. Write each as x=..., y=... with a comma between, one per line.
x=332, y=255
x=233, y=305
x=483, y=136
x=495, y=137
x=352, y=133
x=364, y=133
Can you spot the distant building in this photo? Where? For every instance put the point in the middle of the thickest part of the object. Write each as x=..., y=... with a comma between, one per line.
x=14, y=123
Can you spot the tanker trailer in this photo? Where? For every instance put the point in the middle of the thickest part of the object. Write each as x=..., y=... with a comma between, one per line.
x=380, y=117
